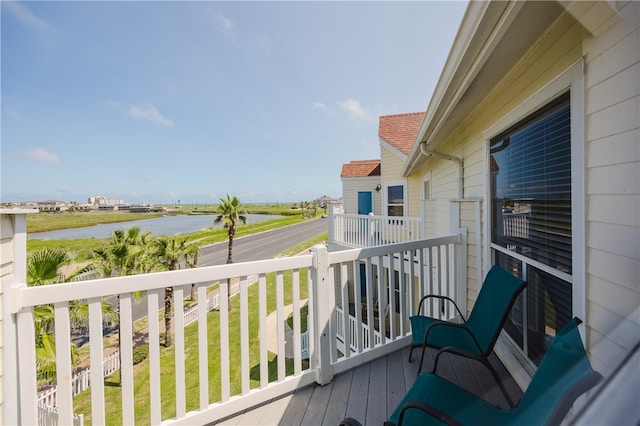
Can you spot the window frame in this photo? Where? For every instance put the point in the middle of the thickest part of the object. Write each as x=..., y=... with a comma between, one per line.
x=401, y=183
x=571, y=80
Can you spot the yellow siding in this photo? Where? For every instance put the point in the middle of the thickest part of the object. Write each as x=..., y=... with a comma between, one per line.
x=413, y=196
x=391, y=165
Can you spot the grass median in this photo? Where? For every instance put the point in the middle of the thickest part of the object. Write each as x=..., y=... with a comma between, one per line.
x=82, y=403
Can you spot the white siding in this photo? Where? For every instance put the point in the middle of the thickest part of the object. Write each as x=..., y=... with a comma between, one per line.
x=611, y=124
x=613, y=187
x=6, y=269
x=350, y=189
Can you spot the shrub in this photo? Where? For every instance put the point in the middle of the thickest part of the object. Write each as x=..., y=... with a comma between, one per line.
x=140, y=353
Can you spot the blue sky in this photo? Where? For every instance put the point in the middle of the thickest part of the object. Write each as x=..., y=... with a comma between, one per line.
x=157, y=102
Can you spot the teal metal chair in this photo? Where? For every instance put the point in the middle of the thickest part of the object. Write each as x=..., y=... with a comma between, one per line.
x=475, y=337
x=564, y=374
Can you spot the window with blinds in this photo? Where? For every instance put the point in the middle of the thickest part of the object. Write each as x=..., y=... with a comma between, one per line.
x=531, y=215
x=395, y=200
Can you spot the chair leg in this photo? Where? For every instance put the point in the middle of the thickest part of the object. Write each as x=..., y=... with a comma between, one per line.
x=410, y=353
x=421, y=360
x=493, y=371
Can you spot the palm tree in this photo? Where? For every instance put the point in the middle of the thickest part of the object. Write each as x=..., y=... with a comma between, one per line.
x=43, y=268
x=124, y=253
x=170, y=253
x=230, y=212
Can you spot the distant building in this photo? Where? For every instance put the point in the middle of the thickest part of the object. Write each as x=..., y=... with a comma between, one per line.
x=105, y=201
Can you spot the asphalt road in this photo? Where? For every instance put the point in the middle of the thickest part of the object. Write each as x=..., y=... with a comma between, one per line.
x=245, y=249
x=264, y=245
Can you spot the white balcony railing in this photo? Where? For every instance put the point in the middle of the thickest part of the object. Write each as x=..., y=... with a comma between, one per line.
x=353, y=230
x=253, y=366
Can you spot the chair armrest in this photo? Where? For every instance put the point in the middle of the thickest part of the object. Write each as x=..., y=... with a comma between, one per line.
x=456, y=351
x=436, y=296
x=429, y=409
x=452, y=325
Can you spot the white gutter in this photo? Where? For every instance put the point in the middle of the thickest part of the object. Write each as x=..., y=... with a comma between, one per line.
x=425, y=151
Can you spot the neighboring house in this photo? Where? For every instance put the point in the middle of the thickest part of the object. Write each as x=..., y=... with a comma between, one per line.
x=361, y=187
x=400, y=196
x=532, y=142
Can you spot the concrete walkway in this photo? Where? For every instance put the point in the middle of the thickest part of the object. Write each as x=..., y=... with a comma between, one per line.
x=272, y=331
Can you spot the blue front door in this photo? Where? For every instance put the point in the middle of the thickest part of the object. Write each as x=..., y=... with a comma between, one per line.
x=365, y=202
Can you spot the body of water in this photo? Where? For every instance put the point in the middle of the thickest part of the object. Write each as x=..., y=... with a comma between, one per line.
x=166, y=225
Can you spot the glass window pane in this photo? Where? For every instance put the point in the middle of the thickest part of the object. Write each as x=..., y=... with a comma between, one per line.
x=395, y=194
x=548, y=310
x=531, y=187
x=530, y=167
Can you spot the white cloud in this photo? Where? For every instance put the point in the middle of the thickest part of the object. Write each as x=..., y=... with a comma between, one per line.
x=144, y=112
x=41, y=155
x=22, y=13
x=150, y=113
x=319, y=105
x=351, y=107
x=223, y=24
x=354, y=109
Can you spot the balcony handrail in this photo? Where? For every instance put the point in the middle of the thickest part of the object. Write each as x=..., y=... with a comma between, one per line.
x=357, y=230
x=330, y=285
x=102, y=287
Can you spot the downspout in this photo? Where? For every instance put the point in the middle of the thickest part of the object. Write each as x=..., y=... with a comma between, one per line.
x=425, y=151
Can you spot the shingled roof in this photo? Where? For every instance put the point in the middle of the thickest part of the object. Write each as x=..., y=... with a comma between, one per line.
x=400, y=130
x=361, y=168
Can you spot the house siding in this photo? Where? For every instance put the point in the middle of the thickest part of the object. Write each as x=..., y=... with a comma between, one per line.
x=612, y=133
x=391, y=171
x=350, y=189
x=391, y=165
x=612, y=166
x=554, y=53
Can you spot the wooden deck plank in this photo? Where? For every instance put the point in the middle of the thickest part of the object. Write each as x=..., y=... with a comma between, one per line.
x=512, y=387
x=411, y=368
x=317, y=406
x=464, y=370
x=377, y=404
x=372, y=391
x=275, y=411
x=396, y=388
x=358, y=396
x=337, y=406
x=297, y=406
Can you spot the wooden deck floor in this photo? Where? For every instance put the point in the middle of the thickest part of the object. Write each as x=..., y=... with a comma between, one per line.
x=372, y=391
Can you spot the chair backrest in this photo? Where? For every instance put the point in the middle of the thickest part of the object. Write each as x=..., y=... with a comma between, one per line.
x=564, y=374
x=499, y=292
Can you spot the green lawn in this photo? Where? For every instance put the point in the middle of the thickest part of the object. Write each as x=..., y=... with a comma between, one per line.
x=82, y=403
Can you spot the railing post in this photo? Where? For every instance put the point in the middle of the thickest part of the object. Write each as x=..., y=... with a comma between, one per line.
x=13, y=265
x=322, y=285
x=332, y=227
x=460, y=265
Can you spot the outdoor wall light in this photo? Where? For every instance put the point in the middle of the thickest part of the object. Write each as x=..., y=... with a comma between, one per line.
x=378, y=188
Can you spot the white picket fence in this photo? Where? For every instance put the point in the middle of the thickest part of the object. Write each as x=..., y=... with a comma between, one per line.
x=48, y=416
x=191, y=314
